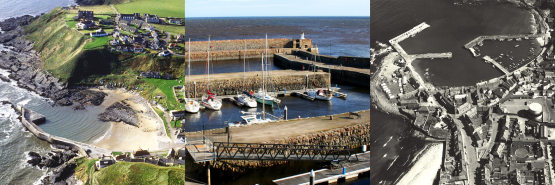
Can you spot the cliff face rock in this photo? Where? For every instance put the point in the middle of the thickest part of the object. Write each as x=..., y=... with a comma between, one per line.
x=13, y=23
x=52, y=159
x=88, y=97
x=24, y=64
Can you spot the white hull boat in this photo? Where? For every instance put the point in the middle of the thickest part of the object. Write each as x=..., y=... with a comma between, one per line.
x=191, y=106
x=320, y=94
x=246, y=100
x=212, y=102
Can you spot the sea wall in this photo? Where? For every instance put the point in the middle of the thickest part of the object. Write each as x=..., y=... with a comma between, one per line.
x=226, y=45
x=285, y=79
x=361, y=62
x=55, y=140
x=352, y=136
x=339, y=74
x=235, y=49
x=235, y=54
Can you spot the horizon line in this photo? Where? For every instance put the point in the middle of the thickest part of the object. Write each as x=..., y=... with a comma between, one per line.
x=282, y=16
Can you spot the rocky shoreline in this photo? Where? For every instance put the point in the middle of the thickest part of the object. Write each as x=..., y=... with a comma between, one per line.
x=25, y=67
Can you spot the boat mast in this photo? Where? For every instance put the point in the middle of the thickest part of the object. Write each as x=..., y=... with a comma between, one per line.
x=189, y=71
x=208, y=65
x=263, y=92
x=244, y=55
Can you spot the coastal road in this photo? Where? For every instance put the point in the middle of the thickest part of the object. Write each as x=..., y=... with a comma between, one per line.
x=469, y=152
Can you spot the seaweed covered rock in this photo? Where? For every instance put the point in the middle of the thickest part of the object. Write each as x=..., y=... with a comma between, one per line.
x=120, y=111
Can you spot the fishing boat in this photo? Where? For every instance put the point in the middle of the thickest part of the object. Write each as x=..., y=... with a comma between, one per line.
x=320, y=94
x=191, y=106
x=210, y=100
x=245, y=99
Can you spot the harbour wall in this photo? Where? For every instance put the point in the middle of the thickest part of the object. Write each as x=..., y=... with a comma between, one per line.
x=362, y=62
x=235, y=54
x=235, y=49
x=352, y=136
x=82, y=148
x=343, y=74
x=232, y=83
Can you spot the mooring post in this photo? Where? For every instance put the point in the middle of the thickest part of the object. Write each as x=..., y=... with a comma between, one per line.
x=307, y=81
x=285, y=113
x=195, y=92
x=228, y=129
x=311, y=177
x=208, y=173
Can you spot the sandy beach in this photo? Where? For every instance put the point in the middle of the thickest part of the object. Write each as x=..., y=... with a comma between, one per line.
x=425, y=169
x=150, y=133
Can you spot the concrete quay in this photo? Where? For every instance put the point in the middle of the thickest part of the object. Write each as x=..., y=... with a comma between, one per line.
x=488, y=59
x=448, y=55
x=479, y=40
x=411, y=33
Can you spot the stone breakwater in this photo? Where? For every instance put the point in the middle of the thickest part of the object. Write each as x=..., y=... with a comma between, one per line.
x=235, y=54
x=232, y=83
x=59, y=142
x=360, y=62
x=235, y=49
x=350, y=75
x=352, y=136
x=227, y=45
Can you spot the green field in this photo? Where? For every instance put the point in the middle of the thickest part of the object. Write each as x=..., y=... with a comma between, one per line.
x=162, y=8
x=139, y=173
x=97, y=9
x=170, y=28
x=98, y=43
x=166, y=87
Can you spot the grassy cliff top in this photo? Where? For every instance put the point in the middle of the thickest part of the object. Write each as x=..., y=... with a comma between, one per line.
x=58, y=44
x=162, y=8
x=139, y=173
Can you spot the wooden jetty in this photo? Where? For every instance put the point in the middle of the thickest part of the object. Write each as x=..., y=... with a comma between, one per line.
x=331, y=175
x=302, y=95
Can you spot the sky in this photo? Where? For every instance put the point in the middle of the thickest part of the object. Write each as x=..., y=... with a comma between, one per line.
x=256, y=8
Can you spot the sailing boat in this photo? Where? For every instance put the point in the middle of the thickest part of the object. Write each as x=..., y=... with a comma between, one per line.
x=320, y=94
x=191, y=105
x=262, y=96
x=209, y=100
x=243, y=98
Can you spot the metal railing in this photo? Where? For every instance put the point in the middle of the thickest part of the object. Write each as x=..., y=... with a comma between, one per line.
x=256, y=151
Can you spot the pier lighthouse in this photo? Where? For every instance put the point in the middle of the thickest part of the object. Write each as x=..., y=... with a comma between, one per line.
x=302, y=35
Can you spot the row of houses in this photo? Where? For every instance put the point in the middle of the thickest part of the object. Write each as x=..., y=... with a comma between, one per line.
x=137, y=16
x=172, y=158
